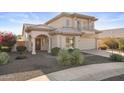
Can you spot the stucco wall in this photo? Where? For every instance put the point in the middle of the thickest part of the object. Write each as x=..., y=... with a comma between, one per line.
x=81, y=43
x=60, y=23
x=54, y=41
x=85, y=44
x=58, y=41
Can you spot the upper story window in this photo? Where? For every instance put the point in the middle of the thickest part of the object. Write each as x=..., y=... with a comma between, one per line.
x=86, y=26
x=91, y=26
x=67, y=23
x=78, y=25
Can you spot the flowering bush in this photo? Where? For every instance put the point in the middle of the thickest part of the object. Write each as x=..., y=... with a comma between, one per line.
x=7, y=39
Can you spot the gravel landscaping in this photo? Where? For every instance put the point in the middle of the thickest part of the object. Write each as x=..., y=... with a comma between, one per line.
x=42, y=62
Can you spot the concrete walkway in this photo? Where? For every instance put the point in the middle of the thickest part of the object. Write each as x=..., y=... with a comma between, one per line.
x=103, y=53
x=93, y=72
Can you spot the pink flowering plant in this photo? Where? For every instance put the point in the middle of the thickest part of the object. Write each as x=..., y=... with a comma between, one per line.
x=7, y=39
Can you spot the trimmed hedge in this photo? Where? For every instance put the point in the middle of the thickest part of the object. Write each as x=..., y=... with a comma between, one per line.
x=55, y=51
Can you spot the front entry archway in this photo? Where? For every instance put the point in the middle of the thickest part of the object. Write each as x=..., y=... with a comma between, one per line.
x=42, y=43
x=38, y=44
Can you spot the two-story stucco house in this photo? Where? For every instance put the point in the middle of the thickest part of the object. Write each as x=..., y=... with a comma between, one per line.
x=67, y=30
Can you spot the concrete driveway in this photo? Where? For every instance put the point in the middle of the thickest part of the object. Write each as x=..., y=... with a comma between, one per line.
x=103, y=53
x=93, y=72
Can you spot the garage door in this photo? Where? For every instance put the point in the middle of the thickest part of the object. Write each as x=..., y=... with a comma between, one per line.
x=85, y=44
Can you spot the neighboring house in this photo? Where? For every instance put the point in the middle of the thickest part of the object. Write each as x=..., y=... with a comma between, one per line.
x=67, y=30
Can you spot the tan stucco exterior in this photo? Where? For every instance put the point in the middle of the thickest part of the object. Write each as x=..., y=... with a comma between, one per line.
x=57, y=30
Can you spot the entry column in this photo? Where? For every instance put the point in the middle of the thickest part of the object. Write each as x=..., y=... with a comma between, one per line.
x=33, y=46
x=76, y=42
x=49, y=47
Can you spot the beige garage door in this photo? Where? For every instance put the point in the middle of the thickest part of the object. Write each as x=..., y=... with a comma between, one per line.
x=85, y=44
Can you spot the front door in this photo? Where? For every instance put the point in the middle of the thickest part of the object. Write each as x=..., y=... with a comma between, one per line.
x=38, y=43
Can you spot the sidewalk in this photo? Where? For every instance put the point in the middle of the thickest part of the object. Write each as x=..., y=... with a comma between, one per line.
x=93, y=72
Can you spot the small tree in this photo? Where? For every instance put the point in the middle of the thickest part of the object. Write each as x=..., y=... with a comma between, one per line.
x=110, y=42
x=7, y=40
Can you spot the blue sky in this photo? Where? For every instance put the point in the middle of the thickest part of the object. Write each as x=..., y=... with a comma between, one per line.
x=13, y=21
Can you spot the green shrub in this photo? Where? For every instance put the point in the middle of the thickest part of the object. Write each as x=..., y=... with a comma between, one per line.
x=5, y=49
x=0, y=47
x=4, y=58
x=121, y=44
x=21, y=57
x=64, y=57
x=55, y=51
x=70, y=50
x=21, y=49
x=77, y=57
x=116, y=57
x=70, y=58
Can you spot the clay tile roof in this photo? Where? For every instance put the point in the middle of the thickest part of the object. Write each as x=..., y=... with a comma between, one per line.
x=29, y=27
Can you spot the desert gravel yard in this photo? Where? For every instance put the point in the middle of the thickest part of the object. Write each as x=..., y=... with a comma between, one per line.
x=43, y=63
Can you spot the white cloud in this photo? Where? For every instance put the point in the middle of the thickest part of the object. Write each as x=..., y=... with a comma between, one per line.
x=26, y=18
